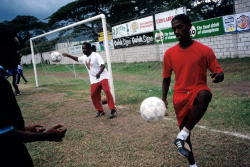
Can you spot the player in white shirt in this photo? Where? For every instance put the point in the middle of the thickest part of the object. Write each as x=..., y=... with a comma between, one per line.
x=98, y=76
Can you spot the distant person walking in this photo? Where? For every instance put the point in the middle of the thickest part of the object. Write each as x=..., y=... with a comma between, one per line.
x=13, y=72
x=20, y=71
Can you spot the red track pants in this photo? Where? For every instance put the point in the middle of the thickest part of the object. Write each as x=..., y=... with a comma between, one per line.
x=96, y=90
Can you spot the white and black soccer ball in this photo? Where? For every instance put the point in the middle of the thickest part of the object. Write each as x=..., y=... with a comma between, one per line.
x=152, y=109
x=56, y=57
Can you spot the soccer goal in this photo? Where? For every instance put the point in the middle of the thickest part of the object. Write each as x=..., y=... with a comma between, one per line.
x=68, y=39
x=136, y=71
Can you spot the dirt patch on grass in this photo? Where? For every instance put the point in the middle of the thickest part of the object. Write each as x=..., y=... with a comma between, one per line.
x=240, y=87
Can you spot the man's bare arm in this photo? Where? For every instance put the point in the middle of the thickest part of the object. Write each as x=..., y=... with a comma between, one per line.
x=70, y=56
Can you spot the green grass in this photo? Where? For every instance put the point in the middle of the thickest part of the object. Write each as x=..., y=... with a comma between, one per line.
x=128, y=140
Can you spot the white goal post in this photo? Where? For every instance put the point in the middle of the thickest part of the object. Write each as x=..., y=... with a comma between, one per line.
x=104, y=27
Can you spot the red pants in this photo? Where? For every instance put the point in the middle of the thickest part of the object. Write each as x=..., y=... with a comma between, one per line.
x=96, y=90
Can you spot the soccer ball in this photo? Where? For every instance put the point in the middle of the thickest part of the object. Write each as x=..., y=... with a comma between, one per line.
x=56, y=57
x=152, y=109
x=104, y=100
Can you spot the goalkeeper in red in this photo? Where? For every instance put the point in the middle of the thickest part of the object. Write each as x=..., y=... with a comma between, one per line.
x=98, y=76
x=189, y=60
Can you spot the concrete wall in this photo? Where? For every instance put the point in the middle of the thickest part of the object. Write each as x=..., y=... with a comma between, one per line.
x=241, y=6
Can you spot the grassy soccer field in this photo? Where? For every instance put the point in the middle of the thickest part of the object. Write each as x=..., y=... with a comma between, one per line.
x=221, y=138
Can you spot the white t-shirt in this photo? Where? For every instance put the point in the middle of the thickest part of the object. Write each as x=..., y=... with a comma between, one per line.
x=20, y=66
x=93, y=64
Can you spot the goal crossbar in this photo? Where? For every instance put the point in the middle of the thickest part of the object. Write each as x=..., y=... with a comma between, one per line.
x=104, y=26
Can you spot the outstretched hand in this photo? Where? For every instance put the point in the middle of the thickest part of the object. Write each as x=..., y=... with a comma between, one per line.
x=35, y=128
x=217, y=77
x=56, y=133
x=65, y=54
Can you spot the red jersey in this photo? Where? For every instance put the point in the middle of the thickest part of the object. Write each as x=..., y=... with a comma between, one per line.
x=190, y=66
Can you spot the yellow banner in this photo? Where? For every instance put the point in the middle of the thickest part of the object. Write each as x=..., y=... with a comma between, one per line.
x=101, y=37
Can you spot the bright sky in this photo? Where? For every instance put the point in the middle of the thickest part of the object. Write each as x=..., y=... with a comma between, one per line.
x=40, y=9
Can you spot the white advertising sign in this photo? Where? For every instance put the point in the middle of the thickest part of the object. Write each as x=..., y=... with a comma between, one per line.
x=133, y=27
x=243, y=21
x=75, y=50
x=229, y=23
x=163, y=20
x=119, y=31
x=141, y=25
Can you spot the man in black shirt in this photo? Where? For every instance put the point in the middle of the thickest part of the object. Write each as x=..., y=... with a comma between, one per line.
x=13, y=133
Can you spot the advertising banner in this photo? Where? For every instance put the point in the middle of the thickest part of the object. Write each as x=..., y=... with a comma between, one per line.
x=133, y=27
x=141, y=26
x=229, y=23
x=110, y=44
x=75, y=50
x=99, y=47
x=136, y=40
x=200, y=29
x=242, y=21
x=164, y=36
x=101, y=36
x=207, y=28
x=163, y=20
x=119, y=31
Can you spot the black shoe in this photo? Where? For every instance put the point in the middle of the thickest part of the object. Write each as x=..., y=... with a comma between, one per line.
x=100, y=113
x=25, y=82
x=112, y=114
x=179, y=144
x=17, y=94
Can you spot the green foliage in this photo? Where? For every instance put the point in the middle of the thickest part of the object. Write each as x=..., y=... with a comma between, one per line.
x=25, y=27
x=77, y=11
x=202, y=9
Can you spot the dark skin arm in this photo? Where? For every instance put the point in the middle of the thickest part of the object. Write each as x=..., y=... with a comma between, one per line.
x=101, y=70
x=35, y=128
x=70, y=56
x=165, y=88
x=33, y=133
x=216, y=78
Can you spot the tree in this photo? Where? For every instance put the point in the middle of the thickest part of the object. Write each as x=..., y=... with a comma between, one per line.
x=77, y=11
x=25, y=27
x=115, y=10
x=205, y=9
x=118, y=11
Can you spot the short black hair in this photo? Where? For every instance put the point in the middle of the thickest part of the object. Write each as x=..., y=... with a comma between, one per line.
x=184, y=18
x=87, y=44
x=93, y=47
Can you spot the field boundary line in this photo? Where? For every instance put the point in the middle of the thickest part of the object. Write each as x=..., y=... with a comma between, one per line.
x=217, y=131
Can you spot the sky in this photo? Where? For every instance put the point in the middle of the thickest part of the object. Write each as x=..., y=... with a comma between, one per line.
x=40, y=9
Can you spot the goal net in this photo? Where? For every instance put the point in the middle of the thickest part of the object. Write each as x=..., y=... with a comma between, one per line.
x=136, y=71
x=68, y=39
